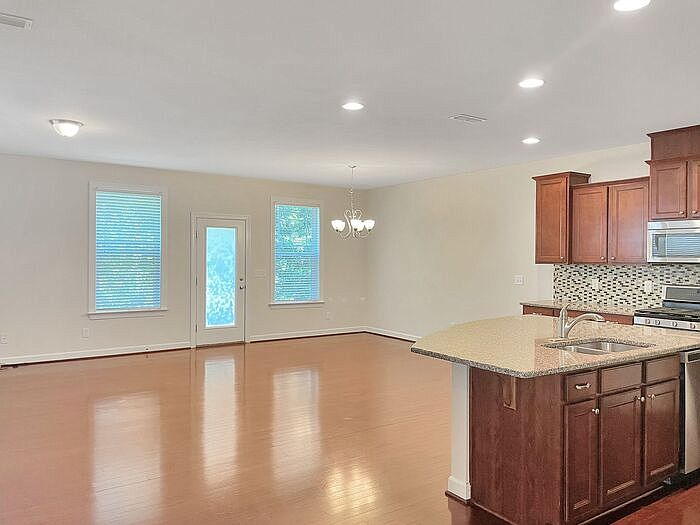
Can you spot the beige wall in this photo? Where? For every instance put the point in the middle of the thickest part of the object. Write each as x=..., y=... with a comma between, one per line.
x=44, y=263
x=446, y=250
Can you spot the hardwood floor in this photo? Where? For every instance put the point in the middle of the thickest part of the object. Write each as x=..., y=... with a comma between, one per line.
x=344, y=429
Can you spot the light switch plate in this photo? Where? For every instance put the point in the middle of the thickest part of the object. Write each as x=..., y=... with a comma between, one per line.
x=518, y=280
x=595, y=283
x=648, y=286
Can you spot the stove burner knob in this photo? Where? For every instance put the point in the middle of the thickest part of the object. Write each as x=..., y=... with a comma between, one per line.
x=693, y=326
x=675, y=324
x=647, y=321
x=657, y=322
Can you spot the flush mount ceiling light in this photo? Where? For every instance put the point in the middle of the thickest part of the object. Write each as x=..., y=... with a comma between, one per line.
x=66, y=128
x=353, y=106
x=463, y=117
x=353, y=225
x=530, y=83
x=531, y=140
x=630, y=5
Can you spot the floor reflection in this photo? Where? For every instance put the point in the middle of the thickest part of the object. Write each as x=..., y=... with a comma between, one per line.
x=351, y=489
x=219, y=435
x=127, y=457
x=296, y=447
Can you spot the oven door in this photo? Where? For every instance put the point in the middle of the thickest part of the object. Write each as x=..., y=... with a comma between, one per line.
x=670, y=242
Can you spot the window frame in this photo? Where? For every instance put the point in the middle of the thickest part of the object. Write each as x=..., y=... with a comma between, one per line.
x=128, y=312
x=274, y=201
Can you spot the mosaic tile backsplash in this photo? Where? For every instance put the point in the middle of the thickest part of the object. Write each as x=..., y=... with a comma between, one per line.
x=621, y=285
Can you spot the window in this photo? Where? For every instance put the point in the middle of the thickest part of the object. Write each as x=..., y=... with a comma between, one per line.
x=126, y=249
x=296, y=253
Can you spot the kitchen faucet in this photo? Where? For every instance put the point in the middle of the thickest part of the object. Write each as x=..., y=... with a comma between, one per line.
x=565, y=325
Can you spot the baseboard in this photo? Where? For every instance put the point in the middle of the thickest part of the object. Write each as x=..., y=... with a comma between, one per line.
x=306, y=333
x=391, y=333
x=459, y=488
x=84, y=354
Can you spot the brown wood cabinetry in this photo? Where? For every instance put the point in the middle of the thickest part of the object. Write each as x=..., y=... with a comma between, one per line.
x=620, y=446
x=694, y=188
x=554, y=312
x=553, y=215
x=609, y=222
x=628, y=214
x=668, y=189
x=581, y=460
x=661, y=413
x=600, y=438
x=589, y=224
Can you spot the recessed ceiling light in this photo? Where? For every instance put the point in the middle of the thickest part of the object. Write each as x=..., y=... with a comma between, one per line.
x=531, y=140
x=630, y=5
x=353, y=106
x=530, y=83
x=66, y=128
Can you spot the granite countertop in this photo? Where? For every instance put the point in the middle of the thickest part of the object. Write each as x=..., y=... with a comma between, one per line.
x=515, y=345
x=585, y=307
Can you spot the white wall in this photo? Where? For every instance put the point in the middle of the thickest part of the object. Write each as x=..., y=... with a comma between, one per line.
x=44, y=262
x=446, y=250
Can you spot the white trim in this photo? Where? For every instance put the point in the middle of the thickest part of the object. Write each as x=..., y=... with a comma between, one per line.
x=101, y=352
x=120, y=314
x=458, y=483
x=193, y=268
x=392, y=333
x=321, y=240
x=300, y=304
x=307, y=333
x=128, y=188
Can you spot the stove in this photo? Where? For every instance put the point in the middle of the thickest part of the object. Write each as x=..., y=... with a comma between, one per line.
x=681, y=309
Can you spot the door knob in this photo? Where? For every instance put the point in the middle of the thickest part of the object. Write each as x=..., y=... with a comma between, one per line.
x=241, y=287
x=602, y=258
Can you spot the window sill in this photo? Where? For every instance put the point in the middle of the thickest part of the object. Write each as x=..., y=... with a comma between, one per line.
x=118, y=314
x=300, y=304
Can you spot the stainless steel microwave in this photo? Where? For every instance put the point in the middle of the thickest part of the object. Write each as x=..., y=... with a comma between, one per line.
x=673, y=242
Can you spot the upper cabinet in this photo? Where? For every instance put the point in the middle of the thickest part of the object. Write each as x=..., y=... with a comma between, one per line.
x=553, y=215
x=609, y=222
x=674, y=174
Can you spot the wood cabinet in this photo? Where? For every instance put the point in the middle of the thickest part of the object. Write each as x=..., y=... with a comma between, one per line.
x=589, y=224
x=628, y=214
x=599, y=437
x=609, y=222
x=554, y=312
x=581, y=460
x=693, y=188
x=553, y=215
x=661, y=414
x=668, y=189
x=620, y=446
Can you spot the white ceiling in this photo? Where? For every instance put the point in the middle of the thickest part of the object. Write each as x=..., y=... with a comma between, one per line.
x=254, y=88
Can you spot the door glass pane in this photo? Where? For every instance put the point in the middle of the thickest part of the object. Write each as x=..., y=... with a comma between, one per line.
x=221, y=277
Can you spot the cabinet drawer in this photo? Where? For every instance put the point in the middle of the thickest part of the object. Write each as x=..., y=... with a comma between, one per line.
x=619, y=377
x=581, y=386
x=660, y=369
x=538, y=310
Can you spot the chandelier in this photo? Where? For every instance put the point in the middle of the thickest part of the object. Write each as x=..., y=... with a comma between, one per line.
x=353, y=225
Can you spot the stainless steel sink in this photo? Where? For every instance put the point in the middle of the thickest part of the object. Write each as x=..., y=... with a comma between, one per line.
x=597, y=347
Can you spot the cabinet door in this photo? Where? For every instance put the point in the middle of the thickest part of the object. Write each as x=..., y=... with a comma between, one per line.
x=628, y=214
x=661, y=413
x=694, y=189
x=581, y=459
x=667, y=181
x=620, y=446
x=589, y=208
x=551, y=229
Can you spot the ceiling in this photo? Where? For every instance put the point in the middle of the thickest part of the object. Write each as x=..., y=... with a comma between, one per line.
x=254, y=88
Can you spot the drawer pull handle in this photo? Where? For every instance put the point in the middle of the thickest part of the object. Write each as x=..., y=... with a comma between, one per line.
x=583, y=386
x=596, y=411
x=652, y=396
x=640, y=399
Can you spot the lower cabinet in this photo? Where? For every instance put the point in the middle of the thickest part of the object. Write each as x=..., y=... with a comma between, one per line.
x=619, y=445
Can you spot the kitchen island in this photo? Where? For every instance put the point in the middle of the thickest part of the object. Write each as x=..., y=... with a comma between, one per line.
x=556, y=436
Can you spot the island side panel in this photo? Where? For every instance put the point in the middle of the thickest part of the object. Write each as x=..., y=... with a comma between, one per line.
x=516, y=446
x=458, y=483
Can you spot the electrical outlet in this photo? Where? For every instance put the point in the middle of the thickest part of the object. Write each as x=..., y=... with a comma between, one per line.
x=595, y=283
x=3, y=339
x=518, y=280
x=648, y=286
x=328, y=316
x=86, y=333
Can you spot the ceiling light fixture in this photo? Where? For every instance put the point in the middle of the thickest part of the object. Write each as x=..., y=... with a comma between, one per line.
x=353, y=225
x=15, y=21
x=630, y=5
x=531, y=140
x=530, y=83
x=353, y=106
x=66, y=128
